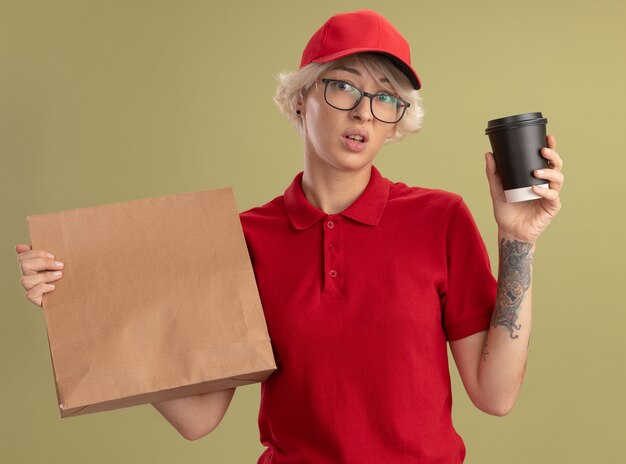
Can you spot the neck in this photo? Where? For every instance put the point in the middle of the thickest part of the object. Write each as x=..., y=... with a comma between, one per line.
x=333, y=190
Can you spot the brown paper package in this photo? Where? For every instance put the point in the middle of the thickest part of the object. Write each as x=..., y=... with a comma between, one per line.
x=158, y=300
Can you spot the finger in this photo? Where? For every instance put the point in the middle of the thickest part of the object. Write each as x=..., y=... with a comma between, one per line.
x=21, y=247
x=553, y=157
x=554, y=178
x=29, y=281
x=30, y=266
x=495, y=184
x=28, y=254
x=550, y=202
x=490, y=163
x=35, y=294
x=548, y=194
x=551, y=140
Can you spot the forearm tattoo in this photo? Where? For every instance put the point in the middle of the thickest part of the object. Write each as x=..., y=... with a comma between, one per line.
x=485, y=351
x=514, y=277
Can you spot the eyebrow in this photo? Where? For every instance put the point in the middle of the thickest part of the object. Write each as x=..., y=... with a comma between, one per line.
x=356, y=72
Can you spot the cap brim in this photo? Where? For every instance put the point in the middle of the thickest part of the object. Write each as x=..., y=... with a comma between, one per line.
x=404, y=68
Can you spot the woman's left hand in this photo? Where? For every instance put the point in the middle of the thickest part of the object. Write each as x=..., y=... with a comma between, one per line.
x=526, y=220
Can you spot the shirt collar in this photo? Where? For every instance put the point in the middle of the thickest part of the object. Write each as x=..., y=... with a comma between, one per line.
x=367, y=209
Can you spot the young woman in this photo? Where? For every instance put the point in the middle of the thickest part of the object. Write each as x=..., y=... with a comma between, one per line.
x=364, y=281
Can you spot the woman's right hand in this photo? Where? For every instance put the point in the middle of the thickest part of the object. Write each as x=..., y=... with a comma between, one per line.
x=38, y=269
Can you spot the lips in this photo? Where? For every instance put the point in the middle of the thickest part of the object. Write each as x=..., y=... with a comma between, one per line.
x=355, y=140
x=357, y=135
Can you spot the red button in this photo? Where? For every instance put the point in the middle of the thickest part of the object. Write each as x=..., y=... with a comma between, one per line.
x=331, y=247
x=333, y=273
x=330, y=224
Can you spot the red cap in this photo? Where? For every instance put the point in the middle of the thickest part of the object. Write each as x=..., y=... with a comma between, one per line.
x=361, y=31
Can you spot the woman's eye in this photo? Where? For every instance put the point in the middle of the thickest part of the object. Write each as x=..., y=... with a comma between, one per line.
x=340, y=85
x=389, y=99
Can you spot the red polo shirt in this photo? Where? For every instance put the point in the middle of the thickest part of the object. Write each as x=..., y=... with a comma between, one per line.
x=359, y=306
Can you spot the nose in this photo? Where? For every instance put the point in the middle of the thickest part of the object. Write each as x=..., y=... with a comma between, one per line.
x=363, y=110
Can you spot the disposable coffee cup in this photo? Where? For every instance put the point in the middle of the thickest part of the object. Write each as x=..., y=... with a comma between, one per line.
x=516, y=142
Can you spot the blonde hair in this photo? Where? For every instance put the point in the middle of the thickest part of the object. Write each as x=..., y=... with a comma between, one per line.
x=294, y=86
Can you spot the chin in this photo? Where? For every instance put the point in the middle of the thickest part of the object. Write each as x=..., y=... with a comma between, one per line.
x=353, y=163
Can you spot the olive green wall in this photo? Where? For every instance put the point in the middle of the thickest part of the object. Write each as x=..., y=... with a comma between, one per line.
x=104, y=101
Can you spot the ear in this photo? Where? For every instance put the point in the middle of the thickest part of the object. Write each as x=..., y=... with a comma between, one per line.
x=300, y=103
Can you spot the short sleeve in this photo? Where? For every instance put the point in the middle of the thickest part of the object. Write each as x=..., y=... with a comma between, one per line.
x=471, y=287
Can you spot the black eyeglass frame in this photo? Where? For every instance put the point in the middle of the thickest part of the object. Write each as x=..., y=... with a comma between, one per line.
x=364, y=94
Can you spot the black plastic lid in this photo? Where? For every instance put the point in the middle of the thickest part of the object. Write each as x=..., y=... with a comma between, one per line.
x=517, y=120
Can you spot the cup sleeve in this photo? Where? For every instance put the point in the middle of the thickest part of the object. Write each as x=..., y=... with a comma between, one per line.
x=470, y=295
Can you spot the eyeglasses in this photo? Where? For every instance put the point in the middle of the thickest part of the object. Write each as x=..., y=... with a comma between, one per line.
x=343, y=96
